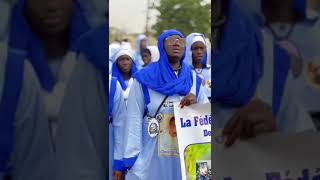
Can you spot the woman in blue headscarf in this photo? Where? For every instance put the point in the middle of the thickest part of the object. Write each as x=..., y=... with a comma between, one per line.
x=40, y=34
x=150, y=108
x=47, y=32
x=196, y=58
x=123, y=68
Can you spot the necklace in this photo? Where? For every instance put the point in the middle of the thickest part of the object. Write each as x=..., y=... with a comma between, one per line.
x=198, y=70
x=279, y=36
x=177, y=69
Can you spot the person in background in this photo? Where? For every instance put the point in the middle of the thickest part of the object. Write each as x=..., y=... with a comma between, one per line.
x=146, y=57
x=196, y=58
x=238, y=55
x=141, y=43
x=123, y=69
x=296, y=27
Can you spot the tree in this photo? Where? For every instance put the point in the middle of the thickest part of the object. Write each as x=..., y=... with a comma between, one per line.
x=187, y=16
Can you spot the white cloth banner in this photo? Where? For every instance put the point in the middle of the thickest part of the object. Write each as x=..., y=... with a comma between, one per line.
x=268, y=157
x=193, y=125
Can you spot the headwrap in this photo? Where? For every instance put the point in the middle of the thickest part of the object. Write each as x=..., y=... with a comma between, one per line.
x=137, y=57
x=192, y=38
x=159, y=76
x=115, y=69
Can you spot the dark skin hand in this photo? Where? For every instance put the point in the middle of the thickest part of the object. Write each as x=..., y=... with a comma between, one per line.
x=118, y=175
x=188, y=100
x=253, y=119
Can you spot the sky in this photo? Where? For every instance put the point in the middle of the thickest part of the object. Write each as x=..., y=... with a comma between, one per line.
x=130, y=15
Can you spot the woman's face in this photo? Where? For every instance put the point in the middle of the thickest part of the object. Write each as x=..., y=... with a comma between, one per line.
x=174, y=46
x=198, y=51
x=124, y=63
x=49, y=17
x=146, y=57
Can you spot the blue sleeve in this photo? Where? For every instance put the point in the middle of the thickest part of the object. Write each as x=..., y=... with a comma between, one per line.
x=133, y=134
x=119, y=116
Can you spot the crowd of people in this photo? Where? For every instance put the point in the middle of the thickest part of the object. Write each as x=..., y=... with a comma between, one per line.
x=180, y=70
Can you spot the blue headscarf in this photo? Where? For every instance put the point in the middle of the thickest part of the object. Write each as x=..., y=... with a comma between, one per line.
x=22, y=38
x=116, y=72
x=93, y=45
x=237, y=68
x=160, y=77
x=188, y=58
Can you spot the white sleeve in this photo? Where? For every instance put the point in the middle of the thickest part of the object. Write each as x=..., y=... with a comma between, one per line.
x=202, y=97
x=119, y=115
x=291, y=116
x=133, y=134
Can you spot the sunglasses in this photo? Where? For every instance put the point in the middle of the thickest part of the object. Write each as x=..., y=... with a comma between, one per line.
x=176, y=39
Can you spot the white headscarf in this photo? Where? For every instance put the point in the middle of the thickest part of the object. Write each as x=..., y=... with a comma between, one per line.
x=113, y=49
x=121, y=52
x=192, y=38
x=155, y=55
x=126, y=45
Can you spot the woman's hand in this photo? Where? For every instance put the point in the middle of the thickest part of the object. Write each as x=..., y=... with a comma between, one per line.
x=187, y=100
x=253, y=119
x=118, y=175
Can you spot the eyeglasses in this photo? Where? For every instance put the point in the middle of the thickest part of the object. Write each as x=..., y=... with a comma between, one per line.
x=173, y=39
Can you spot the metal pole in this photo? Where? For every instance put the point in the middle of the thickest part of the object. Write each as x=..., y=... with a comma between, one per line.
x=147, y=18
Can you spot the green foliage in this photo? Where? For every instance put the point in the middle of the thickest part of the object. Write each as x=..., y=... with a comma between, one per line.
x=186, y=16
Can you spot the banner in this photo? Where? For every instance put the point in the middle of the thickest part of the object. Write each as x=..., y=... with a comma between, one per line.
x=193, y=125
x=268, y=157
